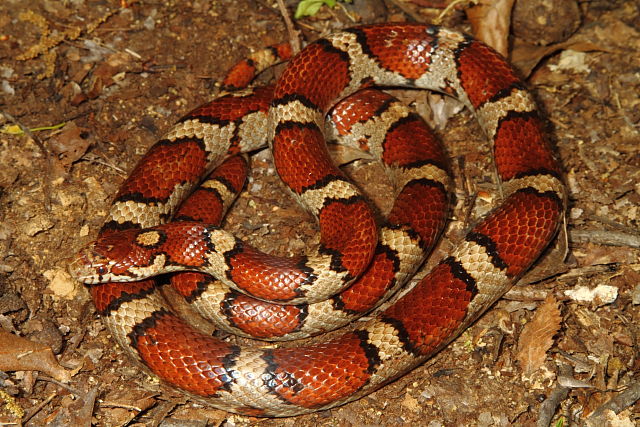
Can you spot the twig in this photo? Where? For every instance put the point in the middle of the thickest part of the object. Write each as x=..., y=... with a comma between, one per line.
x=449, y=8
x=38, y=408
x=109, y=404
x=74, y=391
x=346, y=12
x=46, y=184
x=564, y=234
x=559, y=393
x=617, y=404
x=528, y=294
x=611, y=223
x=294, y=35
x=470, y=195
x=605, y=237
x=407, y=10
x=95, y=159
x=162, y=411
x=83, y=417
x=587, y=270
x=268, y=7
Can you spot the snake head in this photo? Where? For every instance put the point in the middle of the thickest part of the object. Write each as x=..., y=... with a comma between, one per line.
x=111, y=258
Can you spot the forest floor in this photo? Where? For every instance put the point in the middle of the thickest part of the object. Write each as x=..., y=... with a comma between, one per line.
x=118, y=77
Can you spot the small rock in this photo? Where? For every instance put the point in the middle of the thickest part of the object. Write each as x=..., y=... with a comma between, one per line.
x=600, y=295
x=37, y=225
x=7, y=88
x=571, y=382
x=410, y=403
x=572, y=61
x=11, y=302
x=485, y=419
x=635, y=295
x=149, y=23
x=6, y=72
x=68, y=198
x=94, y=354
x=61, y=284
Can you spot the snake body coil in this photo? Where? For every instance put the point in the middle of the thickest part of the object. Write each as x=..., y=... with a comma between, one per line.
x=133, y=244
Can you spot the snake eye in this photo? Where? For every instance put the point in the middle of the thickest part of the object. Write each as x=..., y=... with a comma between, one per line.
x=102, y=270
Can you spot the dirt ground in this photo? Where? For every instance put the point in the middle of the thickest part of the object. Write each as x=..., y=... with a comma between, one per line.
x=119, y=76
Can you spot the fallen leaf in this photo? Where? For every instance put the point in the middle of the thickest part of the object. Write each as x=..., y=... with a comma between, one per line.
x=490, y=21
x=537, y=336
x=101, y=79
x=525, y=57
x=20, y=354
x=343, y=155
x=68, y=146
x=127, y=403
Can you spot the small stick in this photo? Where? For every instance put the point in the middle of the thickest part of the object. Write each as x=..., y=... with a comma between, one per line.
x=74, y=391
x=83, y=416
x=294, y=38
x=407, y=10
x=95, y=159
x=38, y=408
x=559, y=393
x=618, y=403
x=450, y=7
x=612, y=223
x=605, y=237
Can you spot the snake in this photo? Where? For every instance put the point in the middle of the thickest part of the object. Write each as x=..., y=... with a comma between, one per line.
x=139, y=241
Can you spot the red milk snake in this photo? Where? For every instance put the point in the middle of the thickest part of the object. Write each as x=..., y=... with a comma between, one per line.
x=287, y=381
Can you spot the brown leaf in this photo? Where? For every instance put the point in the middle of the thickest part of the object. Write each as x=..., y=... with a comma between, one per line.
x=490, y=21
x=68, y=146
x=525, y=57
x=101, y=79
x=131, y=398
x=537, y=336
x=126, y=404
x=20, y=354
x=342, y=154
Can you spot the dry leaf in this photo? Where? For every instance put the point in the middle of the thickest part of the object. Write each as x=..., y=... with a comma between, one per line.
x=490, y=21
x=101, y=79
x=20, y=354
x=68, y=146
x=343, y=155
x=525, y=57
x=537, y=336
x=127, y=404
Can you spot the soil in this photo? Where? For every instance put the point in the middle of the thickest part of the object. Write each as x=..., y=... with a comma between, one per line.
x=118, y=75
